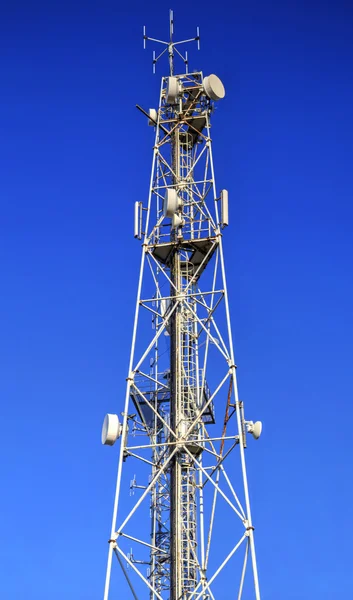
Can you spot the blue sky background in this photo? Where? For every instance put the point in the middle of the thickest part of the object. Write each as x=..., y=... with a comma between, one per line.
x=74, y=156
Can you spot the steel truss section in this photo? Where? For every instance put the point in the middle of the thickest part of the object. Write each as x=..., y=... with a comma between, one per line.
x=182, y=418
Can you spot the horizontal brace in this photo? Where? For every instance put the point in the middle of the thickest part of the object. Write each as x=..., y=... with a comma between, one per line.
x=182, y=441
x=181, y=296
x=176, y=185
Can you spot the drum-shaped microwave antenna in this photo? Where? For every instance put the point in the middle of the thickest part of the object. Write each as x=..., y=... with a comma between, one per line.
x=177, y=221
x=171, y=203
x=111, y=430
x=213, y=87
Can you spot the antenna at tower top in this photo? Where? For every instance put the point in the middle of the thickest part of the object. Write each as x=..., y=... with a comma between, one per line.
x=170, y=46
x=171, y=24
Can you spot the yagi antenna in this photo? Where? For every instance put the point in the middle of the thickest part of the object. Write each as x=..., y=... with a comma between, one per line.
x=170, y=46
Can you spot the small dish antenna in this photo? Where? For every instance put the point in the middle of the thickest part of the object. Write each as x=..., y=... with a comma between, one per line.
x=111, y=430
x=254, y=428
x=171, y=203
x=177, y=221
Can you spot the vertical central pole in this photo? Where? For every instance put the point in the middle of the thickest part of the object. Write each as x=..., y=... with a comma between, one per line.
x=175, y=408
x=175, y=474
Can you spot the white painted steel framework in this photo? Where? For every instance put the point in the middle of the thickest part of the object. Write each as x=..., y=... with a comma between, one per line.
x=182, y=419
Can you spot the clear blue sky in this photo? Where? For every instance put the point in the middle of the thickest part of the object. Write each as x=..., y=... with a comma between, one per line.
x=74, y=156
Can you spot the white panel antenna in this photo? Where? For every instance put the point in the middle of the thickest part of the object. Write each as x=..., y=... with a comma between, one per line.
x=153, y=117
x=138, y=220
x=224, y=208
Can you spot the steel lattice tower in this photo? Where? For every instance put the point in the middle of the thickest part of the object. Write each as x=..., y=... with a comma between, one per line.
x=182, y=374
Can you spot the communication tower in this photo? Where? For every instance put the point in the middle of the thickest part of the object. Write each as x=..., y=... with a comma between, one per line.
x=187, y=520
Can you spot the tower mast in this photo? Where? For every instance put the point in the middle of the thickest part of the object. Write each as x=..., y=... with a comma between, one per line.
x=169, y=403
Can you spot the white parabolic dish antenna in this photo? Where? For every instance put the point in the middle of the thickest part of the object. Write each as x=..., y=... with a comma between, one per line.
x=213, y=87
x=255, y=429
x=111, y=430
